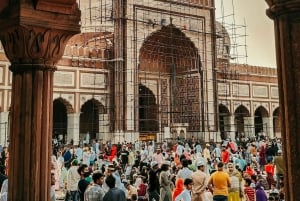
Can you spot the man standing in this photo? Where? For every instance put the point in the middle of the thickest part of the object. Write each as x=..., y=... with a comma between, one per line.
x=153, y=187
x=72, y=181
x=206, y=153
x=219, y=183
x=225, y=155
x=185, y=172
x=199, y=179
x=144, y=157
x=158, y=157
x=278, y=163
x=124, y=154
x=84, y=182
x=95, y=191
x=113, y=194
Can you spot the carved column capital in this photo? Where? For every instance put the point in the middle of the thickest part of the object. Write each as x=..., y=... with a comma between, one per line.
x=65, y=7
x=282, y=7
x=33, y=46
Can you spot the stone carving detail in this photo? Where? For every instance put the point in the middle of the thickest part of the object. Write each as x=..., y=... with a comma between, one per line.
x=28, y=45
x=186, y=103
x=65, y=7
x=164, y=103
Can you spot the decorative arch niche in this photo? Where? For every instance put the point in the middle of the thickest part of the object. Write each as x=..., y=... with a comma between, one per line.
x=89, y=118
x=61, y=108
x=170, y=56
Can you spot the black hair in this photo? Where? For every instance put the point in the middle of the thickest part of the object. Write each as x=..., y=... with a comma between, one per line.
x=188, y=181
x=96, y=176
x=220, y=165
x=248, y=181
x=164, y=167
x=110, y=181
x=184, y=162
x=81, y=168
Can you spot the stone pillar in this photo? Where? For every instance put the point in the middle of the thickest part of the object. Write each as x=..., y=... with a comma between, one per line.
x=4, y=128
x=73, y=127
x=286, y=16
x=268, y=126
x=33, y=34
x=104, y=133
x=119, y=68
x=249, y=126
x=229, y=126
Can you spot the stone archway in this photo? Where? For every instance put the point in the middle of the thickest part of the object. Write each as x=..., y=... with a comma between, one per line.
x=89, y=118
x=259, y=124
x=148, y=111
x=61, y=108
x=223, y=114
x=276, y=123
x=170, y=57
x=240, y=114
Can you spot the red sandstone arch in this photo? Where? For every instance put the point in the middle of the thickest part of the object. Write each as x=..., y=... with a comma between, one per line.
x=67, y=104
x=89, y=117
x=93, y=45
x=264, y=112
x=276, y=121
x=223, y=112
x=242, y=111
x=260, y=113
x=168, y=46
x=98, y=105
x=169, y=52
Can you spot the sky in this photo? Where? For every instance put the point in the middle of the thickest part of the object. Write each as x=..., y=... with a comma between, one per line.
x=259, y=44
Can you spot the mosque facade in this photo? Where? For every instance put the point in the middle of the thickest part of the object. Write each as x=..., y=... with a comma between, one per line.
x=153, y=70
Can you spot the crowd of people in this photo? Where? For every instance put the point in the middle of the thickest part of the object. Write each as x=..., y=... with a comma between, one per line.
x=187, y=170
x=184, y=171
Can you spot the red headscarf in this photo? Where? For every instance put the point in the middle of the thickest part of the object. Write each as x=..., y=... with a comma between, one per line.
x=113, y=152
x=179, y=187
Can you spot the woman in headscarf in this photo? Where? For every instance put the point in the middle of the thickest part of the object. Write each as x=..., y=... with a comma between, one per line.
x=262, y=158
x=165, y=182
x=260, y=193
x=179, y=187
x=235, y=191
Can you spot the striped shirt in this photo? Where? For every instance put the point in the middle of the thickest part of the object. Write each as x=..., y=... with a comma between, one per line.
x=250, y=193
x=94, y=193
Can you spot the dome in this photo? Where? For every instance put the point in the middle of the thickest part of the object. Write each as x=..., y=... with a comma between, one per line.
x=222, y=42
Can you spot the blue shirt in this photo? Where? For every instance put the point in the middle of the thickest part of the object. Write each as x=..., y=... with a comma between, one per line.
x=184, y=195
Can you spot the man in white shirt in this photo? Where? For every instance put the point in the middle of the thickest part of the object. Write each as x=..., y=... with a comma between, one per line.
x=179, y=149
x=72, y=181
x=158, y=157
x=144, y=157
x=78, y=153
x=185, y=172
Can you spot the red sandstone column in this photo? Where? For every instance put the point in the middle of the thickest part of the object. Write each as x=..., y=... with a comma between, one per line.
x=34, y=40
x=286, y=16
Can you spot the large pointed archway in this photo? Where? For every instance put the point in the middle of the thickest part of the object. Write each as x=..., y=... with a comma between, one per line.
x=89, y=118
x=148, y=111
x=276, y=123
x=223, y=113
x=61, y=108
x=240, y=113
x=170, y=57
x=259, y=124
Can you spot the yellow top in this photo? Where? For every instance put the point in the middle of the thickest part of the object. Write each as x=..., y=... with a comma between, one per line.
x=221, y=183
